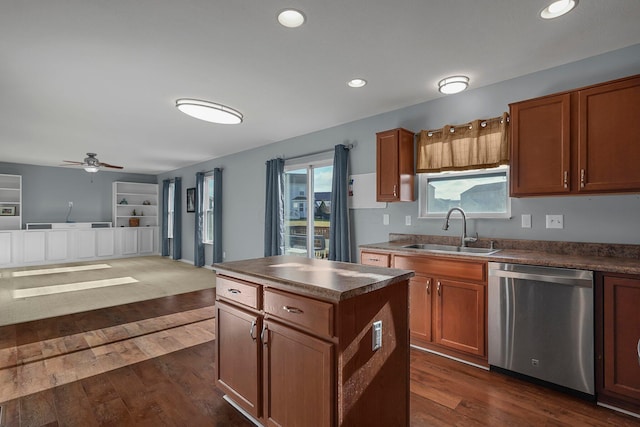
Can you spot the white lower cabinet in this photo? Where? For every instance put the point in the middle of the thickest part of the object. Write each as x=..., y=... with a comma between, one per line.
x=34, y=246
x=128, y=241
x=146, y=240
x=86, y=243
x=6, y=248
x=57, y=245
x=105, y=242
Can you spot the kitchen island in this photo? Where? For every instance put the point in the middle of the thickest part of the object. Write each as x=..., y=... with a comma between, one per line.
x=313, y=342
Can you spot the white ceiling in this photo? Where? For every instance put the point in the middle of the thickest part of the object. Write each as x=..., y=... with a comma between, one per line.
x=81, y=76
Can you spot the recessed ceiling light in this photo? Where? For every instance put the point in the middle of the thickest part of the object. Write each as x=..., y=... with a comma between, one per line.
x=209, y=111
x=291, y=18
x=357, y=82
x=558, y=8
x=453, y=84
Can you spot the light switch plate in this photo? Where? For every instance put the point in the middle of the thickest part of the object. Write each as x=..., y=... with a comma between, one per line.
x=526, y=220
x=376, y=339
x=385, y=219
x=555, y=221
x=407, y=220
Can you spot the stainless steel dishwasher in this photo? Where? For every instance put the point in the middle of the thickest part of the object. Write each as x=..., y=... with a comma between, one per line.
x=540, y=324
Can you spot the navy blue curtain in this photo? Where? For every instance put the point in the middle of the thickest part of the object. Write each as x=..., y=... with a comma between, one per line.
x=165, y=217
x=198, y=253
x=339, y=237
x=177, y=219
x=274, y=209
x=217, y=215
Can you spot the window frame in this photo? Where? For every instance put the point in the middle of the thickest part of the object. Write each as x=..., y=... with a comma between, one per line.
x=423, y=183
x=170, y=209
x=207, y=185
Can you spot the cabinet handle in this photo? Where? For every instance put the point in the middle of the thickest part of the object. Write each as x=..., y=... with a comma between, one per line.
x=234, y=291
x=395, y=190
x=582, y=173
x=374, y=259
x=638, y=352
x=428, y=287
x=566, y=179
x=294, y=310
x=253, y=327
x=439, y=286
x=263, y=335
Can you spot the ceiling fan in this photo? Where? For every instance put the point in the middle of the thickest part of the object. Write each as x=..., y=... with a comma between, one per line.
x=91, y=163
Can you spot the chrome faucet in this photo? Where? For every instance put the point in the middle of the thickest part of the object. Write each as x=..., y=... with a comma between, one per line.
x=465, y=239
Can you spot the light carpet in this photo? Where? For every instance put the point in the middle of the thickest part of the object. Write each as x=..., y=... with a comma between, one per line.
x=58, y=290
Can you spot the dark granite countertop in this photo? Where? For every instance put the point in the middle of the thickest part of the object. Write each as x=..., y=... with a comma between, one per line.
x=611, y=258
x=328, y=280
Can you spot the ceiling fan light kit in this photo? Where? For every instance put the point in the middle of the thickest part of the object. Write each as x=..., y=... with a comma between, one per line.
x=209, y=111
x=91, y=163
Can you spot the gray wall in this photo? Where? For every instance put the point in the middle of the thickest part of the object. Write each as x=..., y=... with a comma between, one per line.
x=47, y=191
x=607, y=219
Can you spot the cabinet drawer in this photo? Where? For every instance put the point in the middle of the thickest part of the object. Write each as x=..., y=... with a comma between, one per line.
x=241, y=292
x=466, y=270
x=308, y=313
x=375, y=258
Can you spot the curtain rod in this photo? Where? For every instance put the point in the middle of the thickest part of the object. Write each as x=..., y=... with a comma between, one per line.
x=482, y=121
x=349, y=147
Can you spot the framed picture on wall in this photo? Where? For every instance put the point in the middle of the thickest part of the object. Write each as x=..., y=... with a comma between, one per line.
x=191, y=199
x=7, y=211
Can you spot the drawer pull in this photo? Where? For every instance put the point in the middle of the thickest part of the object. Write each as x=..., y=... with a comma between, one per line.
x=253, y=327
x=234, y=291
x=293, y=310
x=374, y=259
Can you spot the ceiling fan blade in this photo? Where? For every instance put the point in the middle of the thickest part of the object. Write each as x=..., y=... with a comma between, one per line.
x=107, y=165
x=72, y=162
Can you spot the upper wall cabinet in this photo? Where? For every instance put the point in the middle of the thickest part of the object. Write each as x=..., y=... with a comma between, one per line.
x=583, y=141
x=395, y=170
x=10, y=202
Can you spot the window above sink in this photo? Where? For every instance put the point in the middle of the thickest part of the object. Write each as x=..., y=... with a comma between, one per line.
x=481, y=193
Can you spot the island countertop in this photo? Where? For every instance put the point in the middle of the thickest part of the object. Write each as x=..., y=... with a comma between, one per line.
x=328, y=280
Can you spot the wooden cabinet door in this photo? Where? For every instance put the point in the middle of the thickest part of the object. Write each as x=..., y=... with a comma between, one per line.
x=608, y=151
x=395, y=169
x=387, y=170
x=541, y=146
x=298, y=378
x=238, y=352
x=420, y=288
x=622, y=336
x=460, y=316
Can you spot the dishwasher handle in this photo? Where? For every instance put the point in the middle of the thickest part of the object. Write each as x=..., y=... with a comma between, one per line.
x=561, y=276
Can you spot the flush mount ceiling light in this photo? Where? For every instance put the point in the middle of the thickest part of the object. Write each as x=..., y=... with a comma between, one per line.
x=209, y=111
x=558, y=8
x=291, y=18
x=357, y=82
x=453, y=84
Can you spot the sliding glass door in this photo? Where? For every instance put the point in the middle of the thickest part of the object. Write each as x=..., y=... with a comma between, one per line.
x=307, y=208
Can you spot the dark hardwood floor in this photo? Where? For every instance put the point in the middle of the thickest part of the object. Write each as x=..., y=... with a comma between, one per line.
x=177, y=388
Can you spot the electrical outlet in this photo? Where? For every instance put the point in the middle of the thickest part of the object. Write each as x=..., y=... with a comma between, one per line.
x=376, y=339
x=224, y=254
x=407, y=220
x=70, y=204
x=385, y=219
x=555, y=221
x=526, y=220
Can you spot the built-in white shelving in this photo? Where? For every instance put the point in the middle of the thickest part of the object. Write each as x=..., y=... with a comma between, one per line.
x=10, y=202
x=135, y=196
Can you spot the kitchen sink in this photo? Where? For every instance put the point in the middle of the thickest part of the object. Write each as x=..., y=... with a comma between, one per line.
x=430, y=247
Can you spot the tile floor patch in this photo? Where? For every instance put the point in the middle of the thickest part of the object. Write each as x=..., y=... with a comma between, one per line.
x=59, y=270
x=70, y=287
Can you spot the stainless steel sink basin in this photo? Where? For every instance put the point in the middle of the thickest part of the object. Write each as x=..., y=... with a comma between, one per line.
x=429, y=247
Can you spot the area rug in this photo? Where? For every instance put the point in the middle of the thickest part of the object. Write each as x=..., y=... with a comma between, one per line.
x=31, y=293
